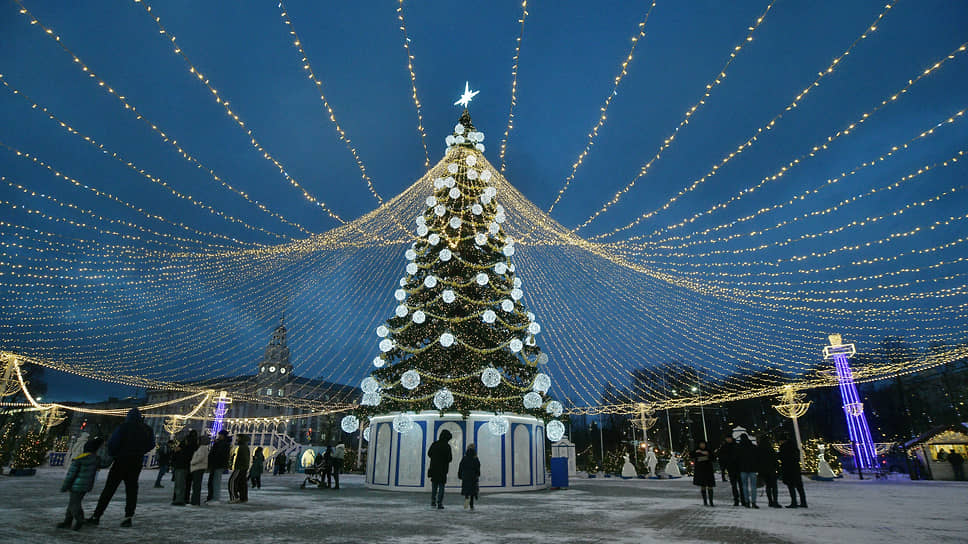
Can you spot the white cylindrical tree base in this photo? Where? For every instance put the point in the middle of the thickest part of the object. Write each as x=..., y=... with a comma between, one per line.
x=514, y=461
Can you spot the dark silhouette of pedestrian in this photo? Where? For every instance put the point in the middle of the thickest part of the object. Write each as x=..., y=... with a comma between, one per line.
x=440, y=458
x=164, y=460
x=767, y=464
x=703, y=473
x=255, y=473
x=957, y=464
x=469, y=473
x=729, y=462
x=746, y=454
x=128, y=445
x=80, y=480
x=218, y=463
x=239, y=479
x=790, y=468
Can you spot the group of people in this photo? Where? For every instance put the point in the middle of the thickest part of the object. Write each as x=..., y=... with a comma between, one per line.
x=329, y=465
x=744, y=463
x=468, y=472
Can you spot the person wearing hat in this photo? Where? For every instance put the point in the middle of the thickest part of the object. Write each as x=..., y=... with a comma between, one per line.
x=80, y=480
x=218, y=463
x=128, y=446
x=440, y=458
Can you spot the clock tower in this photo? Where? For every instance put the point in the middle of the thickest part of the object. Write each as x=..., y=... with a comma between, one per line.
x=274, y=370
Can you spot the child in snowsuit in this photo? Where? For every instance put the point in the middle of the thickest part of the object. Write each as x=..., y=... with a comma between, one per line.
x=469, y=473
x=80, y=480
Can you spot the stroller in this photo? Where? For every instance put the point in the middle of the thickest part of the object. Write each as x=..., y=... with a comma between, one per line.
x=316, y=474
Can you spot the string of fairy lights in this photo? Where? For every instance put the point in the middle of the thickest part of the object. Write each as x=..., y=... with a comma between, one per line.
x=737, y=307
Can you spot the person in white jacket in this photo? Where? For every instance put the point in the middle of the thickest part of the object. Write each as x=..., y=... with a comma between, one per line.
x=198, y=468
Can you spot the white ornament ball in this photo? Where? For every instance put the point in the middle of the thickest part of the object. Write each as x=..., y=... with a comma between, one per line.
x=366, y=434
x=382, y=331
x=493, y=228
x=485, y=199
x=418, y=317
x=481, y=279
x=439, y=210
x=500, y=268
x=421, y=220
x=471, y=174
x=455, y=222
x=542, y=358
x=511, y=267
x=400, y=294
x=479, y=147
x=500, y=208
x=459, y=140
x=434, y=239
x=371, y=399
x=446, y=339
x=490, y=190
x=379, y=362
x=480, y=136
x=350, y=424
x=541, y=382
x=459, y=129
x=403, y=282
x=445, y=255
x=555, y=408
x=507, y=305
x=516, y=294
x=470, y=160
x=530, y=316
x=516, y=283
x=449, y=140
x=489, y=316
x=410, y=380
x=386, y=345
x=480, y=239
x=431, y=200
x=411, y=269
x=403, y=423
x=508, y=250
x=422, y=230
x=449, y=181
x=555, y=430
x=499, y=218
x=532, y=400
x=486, y=176
x=498, y=425
x=402, y=310
x=477, y=209
x=454, y=193
x=448, y=296
x=430, y=282
x=452, y=168
x=516, y=345
x=369, y=385
x=534, y=328
x=443, y=399
x=491, y=377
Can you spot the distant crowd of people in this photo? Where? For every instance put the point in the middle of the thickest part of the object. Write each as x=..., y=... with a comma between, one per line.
x=743, y=464
x=188, y=459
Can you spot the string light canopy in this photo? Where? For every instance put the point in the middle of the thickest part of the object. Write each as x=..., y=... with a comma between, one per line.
x=99, y=285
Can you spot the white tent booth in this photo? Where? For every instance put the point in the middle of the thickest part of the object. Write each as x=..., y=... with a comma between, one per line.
x=513, y=461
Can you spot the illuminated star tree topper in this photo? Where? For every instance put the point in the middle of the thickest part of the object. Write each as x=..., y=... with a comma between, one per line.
x=468, y=95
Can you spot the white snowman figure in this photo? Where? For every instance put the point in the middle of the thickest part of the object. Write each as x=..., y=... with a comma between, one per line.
x=628, y=470
x=672, y=467
x=823, y=467
x=651, y=461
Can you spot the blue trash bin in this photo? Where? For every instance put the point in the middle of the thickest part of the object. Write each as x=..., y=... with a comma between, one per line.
x=559, y=472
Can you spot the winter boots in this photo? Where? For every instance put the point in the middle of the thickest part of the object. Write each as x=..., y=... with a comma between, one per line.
x=467, y=503
x=126, y=522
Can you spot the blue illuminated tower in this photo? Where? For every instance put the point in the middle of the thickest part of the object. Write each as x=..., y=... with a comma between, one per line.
x=865, y=456
x=220, y=410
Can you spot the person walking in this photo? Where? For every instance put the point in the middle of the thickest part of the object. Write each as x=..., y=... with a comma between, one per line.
x=198, y=467
x=255, y=473
x=80, y=480
x=440, y=458
x=469, y=474
x=339, y=452
x=729, y=463
x=957, y=464
x=218, y=463
x=703, y=473
x=164, y=460
x=181, y=461
x=326, y=474
x=279, y=466
x=790, y=467
x=766, y=465
x=239, y=479
x=128, y=445
x=746, y=452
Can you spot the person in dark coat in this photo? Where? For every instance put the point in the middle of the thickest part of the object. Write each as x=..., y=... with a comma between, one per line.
x=128, y=446
x=239, y=479
x=181, y=461
x=746, y=453
x=957, y=465
x=80, y=480
x=164, y=461
x=218, y=463
x=326, y=470
x=790, y=468
x=469, y=473
x=440, y=458
x=703, y=473
x=729, y=463
x=279, y=467
x=767, y=462
x=258, y=463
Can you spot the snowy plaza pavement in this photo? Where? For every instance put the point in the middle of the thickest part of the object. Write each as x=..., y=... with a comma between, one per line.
x=596, y=510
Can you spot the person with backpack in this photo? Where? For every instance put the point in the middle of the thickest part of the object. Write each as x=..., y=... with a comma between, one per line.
x=80, y=480
x=128, y=446
x=440, y=458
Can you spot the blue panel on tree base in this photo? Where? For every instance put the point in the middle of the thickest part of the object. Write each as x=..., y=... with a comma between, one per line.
x=559, y=472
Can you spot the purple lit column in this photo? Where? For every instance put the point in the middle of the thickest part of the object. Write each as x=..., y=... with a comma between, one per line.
x=220, y=411
x=865, y=456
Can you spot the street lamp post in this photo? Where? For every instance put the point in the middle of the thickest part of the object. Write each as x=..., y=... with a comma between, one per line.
x=702, y=413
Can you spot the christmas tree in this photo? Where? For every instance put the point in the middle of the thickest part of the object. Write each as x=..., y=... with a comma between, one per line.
x=460, y=338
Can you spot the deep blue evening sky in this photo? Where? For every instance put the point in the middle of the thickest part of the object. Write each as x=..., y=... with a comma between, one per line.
x=570, y=54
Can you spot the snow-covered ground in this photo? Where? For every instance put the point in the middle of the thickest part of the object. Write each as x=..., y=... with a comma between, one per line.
x=592, y=510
